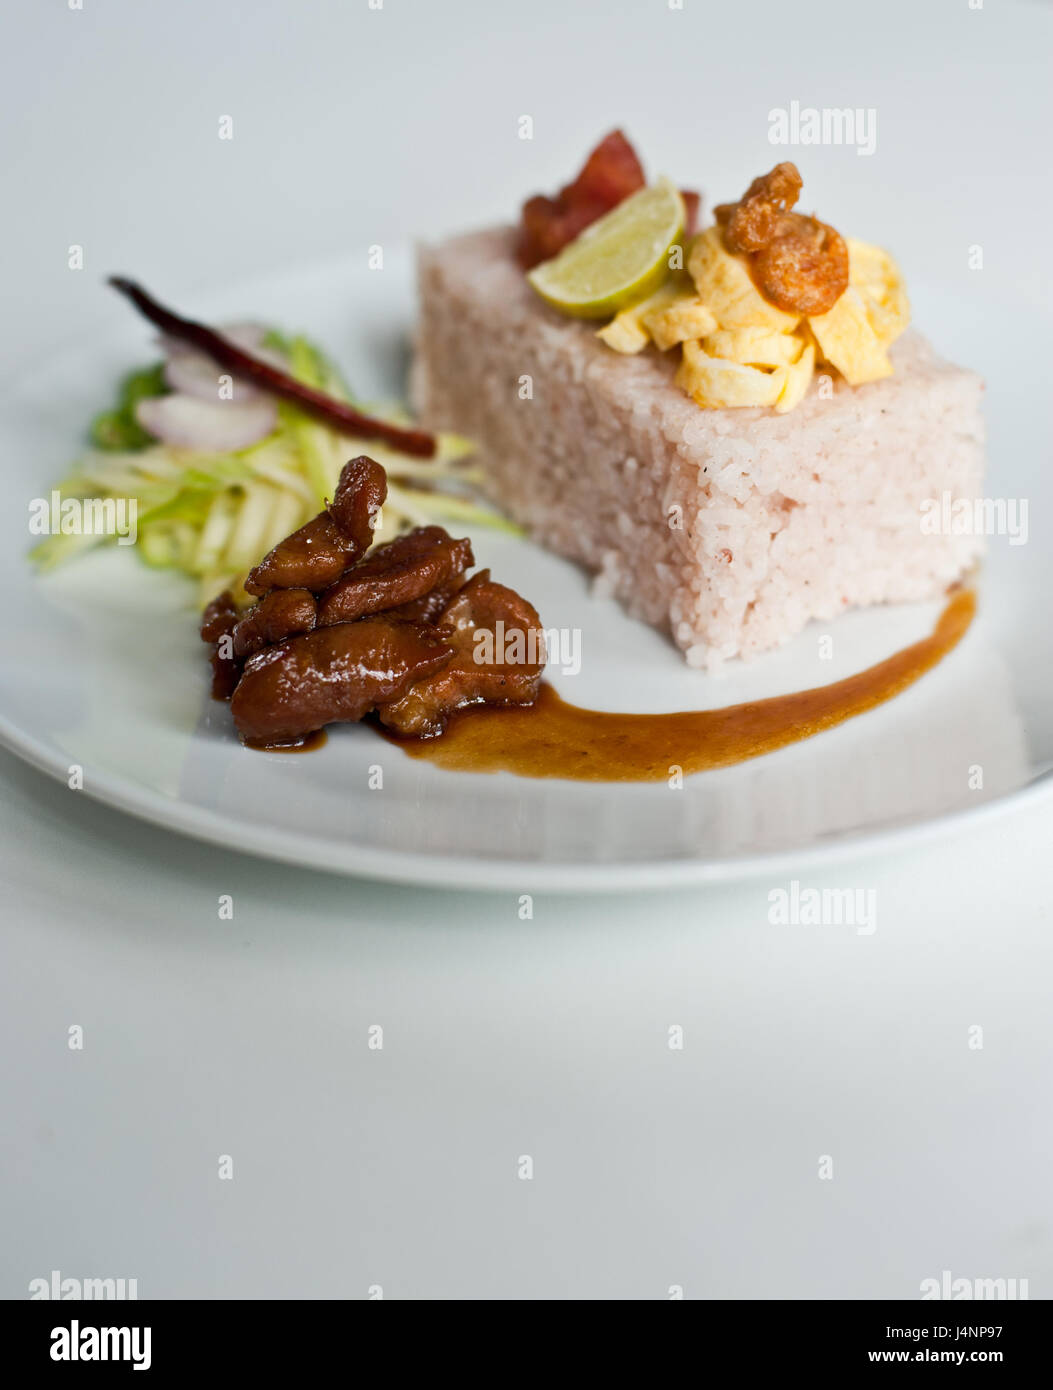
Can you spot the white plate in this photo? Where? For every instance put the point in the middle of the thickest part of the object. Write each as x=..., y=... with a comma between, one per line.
x=104, y=670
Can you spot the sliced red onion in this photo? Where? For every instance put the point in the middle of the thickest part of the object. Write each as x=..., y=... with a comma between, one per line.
x=185, y=422
x=194, y=374
x=248, y=336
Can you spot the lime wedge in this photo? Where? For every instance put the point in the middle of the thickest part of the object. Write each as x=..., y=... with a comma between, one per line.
x=620, y=258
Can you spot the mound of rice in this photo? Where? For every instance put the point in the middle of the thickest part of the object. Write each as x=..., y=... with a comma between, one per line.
x=729, y=528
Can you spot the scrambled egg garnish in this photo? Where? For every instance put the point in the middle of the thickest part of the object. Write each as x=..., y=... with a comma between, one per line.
x=740, y=350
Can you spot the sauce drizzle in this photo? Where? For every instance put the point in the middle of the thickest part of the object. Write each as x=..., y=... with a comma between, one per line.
x=555, y=739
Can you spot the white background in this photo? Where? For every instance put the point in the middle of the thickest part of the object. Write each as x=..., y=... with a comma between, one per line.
x=398, y=1168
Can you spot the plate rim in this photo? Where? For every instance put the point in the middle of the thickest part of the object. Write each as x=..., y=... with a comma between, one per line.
x=412, y=868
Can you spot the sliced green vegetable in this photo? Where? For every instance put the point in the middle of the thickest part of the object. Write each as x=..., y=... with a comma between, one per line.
x=157, y=544
x=246, y=545
x=53, y=551
x=310, y=439
x=215, y=533
x=118, y=429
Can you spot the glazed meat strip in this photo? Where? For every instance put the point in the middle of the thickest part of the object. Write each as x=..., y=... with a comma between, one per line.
x=331, y=675
x=408, y=568
x=359, y=496
x=219, y=618
x=218, y=623
x=429, y=607
x=281, y=613
x=498, y=660
x=317, y=554
x=310, y=558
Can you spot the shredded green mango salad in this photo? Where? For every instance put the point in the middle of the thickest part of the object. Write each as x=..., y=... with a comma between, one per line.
x=214, y=516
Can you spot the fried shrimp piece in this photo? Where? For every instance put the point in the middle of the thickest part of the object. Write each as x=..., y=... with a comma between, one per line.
x=804, y=268
x=798, y=263
x=750, y=224
x=407, y=568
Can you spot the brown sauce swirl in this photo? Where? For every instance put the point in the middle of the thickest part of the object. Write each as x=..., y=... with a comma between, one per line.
x=555, y=739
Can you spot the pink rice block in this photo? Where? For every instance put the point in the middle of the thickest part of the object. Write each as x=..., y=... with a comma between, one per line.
x=730, y=529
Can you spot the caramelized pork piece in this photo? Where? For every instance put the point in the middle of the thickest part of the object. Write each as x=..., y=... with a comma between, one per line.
x=499, y=658
x=359, y=496
x=281, y=613
x=219, y=618
x=428, y=608
x=317, y=554
x=403, y=570
x=333, y=674
x=311, y=558
x=218, y=622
